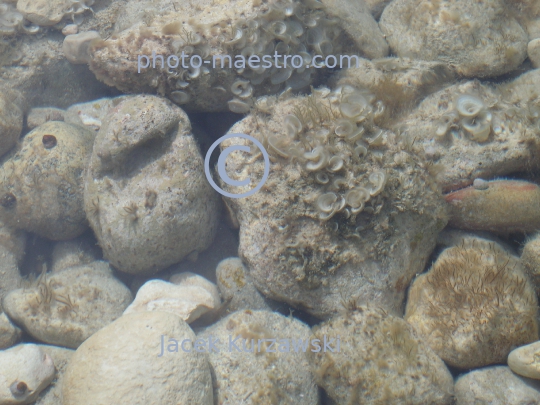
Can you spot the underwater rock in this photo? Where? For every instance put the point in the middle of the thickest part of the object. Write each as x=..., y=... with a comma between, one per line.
x=76, y=47
x=188, y=299
x=236, y=286
x=40, y=115
x=92, y=113
x=72, y=253
x=50, y=12
x=471, y=130
x=530, y=259
x=499, y=206
x=399, y=83
x=524, y=360
x=533, y=28
x=356, y=19
x=11, y=119
x=533, y=50
x=66, y=308
x=236, y=28
x=380, y=360
x=146, y=195
x=347, y=212
x=70, y=29
x=42, y=181
x=10, y=278
x=495, y=386
x=132, y=345
x=258, y=372
x=376, y=7
x=52, y=395
x=474, y=305
x=26, y=370
x=478, y=39
x=9, y=333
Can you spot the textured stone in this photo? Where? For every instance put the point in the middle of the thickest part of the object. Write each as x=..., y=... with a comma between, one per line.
x=133, y=345
x=26, y=370
x=496, y=386
x=146, y=195
x=478, y=39
x=69, y=306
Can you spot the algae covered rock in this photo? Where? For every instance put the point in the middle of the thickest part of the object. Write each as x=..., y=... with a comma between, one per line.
x=146, y=194
x=248, y=366
x=347, y=211
x=42, y=182
x=478, y=39
x=474, y=305
x=26, y=370
x=236, y=286
x=496, y=386
x=69, y=306
x=50, y=12
x=380, y=360
x=132, y=345
x=472, y=130
x=198, y=50
x=400, y=83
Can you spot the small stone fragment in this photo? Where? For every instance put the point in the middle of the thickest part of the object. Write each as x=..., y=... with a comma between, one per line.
x=504, y=206
x=533, y=50
x=77, y=47
x=474, y=305
x=530, y=259
x=69, y=306
x=145, y=371
x=70, y=29
x=43, y=12
x=496, y=386
x=380, y=361
x=188, y=299
x=525, y=360
x=236, y=286
x=261, y=373
x=26, y=370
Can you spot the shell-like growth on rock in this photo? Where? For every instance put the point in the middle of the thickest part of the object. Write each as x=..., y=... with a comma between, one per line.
x=332, y=203
x=12, y=21
x=474, y=305
x=469, y=106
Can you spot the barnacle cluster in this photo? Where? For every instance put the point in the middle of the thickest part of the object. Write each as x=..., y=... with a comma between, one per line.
x=330, y=134
x=11, y=21
x=299, y=29
x=471, y=114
